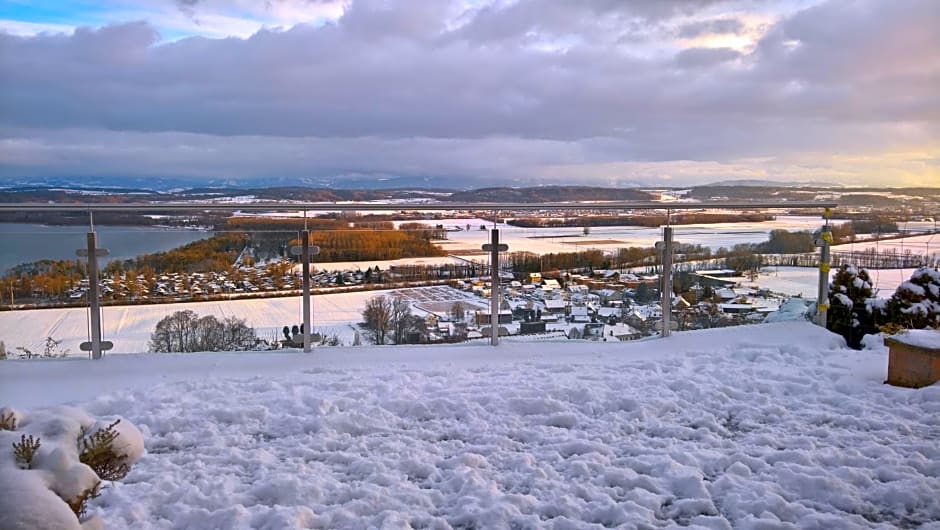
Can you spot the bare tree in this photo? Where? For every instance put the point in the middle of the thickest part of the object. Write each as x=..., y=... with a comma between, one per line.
x=457, y=312
x=184, y=331
x=401, y=319
x=237, y=335
x=208, y=334
x=377, y=318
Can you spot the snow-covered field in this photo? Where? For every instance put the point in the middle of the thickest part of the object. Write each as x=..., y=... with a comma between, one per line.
x=803, y=281
x=546, y=240
x=129, y=327
x=770, y=426
x=926, y=245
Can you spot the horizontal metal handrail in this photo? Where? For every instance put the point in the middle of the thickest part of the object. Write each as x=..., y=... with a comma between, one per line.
x=371, y=206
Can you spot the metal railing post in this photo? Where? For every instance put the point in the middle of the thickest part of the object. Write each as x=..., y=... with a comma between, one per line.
x=96, y=346
x=305, y=256
x=94, y=303
x=305, y=250
x=822, y=296
x=494, y=284
x=665, y=298
x=494, y=247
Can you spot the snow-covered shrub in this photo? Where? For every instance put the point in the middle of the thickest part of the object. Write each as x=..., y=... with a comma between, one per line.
x=850, y=313
x=916, y=302
x=44, y=483
x=25, y=450
x=7, y=419
x=97, y=451
x=50, y=348
x=79, y=505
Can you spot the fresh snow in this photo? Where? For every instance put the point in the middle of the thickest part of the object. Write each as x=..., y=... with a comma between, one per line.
x=35, y=498
x=922, y=338
x=767, y=426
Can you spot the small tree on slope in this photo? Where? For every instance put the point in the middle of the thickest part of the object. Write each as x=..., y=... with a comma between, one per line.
x=377, y=318
x=850, y=313
x=916, y=302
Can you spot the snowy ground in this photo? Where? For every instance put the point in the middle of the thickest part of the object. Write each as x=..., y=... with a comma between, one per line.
x=129, y=327
x=926, y=245
x=803, y=281
x=771, y=426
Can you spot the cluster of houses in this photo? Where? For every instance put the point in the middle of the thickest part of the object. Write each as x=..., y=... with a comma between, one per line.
x=616, y=305
x=271, y=276
x=184, y=286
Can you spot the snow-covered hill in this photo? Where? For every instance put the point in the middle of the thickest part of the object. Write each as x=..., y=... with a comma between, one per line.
x=775, y=425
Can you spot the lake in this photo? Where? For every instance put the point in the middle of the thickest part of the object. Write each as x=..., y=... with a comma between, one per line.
x=23, y=243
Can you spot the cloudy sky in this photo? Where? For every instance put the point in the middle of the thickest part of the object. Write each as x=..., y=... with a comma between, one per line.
x=667, y=92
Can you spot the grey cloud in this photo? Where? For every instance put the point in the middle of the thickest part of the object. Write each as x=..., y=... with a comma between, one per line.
x=710, y=27
x=704, y=57
x=593, y=20
x=452, y=162
x=400, y=81
x=188, y=7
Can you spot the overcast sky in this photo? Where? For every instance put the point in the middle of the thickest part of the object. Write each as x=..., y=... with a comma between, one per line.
x=652, y=92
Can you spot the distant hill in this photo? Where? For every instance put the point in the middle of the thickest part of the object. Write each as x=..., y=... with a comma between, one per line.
x=771, y=184
x=97, y=195
x=549, y=194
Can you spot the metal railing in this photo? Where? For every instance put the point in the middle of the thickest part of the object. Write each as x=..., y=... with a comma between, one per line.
x=96, y=345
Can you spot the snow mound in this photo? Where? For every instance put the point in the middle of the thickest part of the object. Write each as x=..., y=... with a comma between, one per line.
x=794, y=309
x=34, y=494
x=874, y=341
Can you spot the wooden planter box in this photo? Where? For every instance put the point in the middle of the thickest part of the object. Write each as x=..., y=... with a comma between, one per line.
x=913, y=359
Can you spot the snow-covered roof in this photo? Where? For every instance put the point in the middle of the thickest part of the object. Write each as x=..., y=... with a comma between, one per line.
x=554, y=303
x=621, y=330
x=725, y=294
x=736, y=306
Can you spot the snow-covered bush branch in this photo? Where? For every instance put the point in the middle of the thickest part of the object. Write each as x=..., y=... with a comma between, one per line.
x=54, y=463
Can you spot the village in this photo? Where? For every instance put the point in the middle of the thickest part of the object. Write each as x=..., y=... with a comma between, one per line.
x=606, y=305
x=599, y=304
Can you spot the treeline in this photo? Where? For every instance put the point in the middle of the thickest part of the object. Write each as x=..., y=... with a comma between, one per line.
x=47, y=277
x=340, y=240
x=549, y=194
x=295, y=224
x=217, y=253
x=526, y=262
x=369, y=245
x=846, y=232
x=54, y=218
x=652, y=220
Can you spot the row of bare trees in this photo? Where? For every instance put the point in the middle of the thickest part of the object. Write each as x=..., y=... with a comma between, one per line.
x=185, y=331
x=389, y=318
